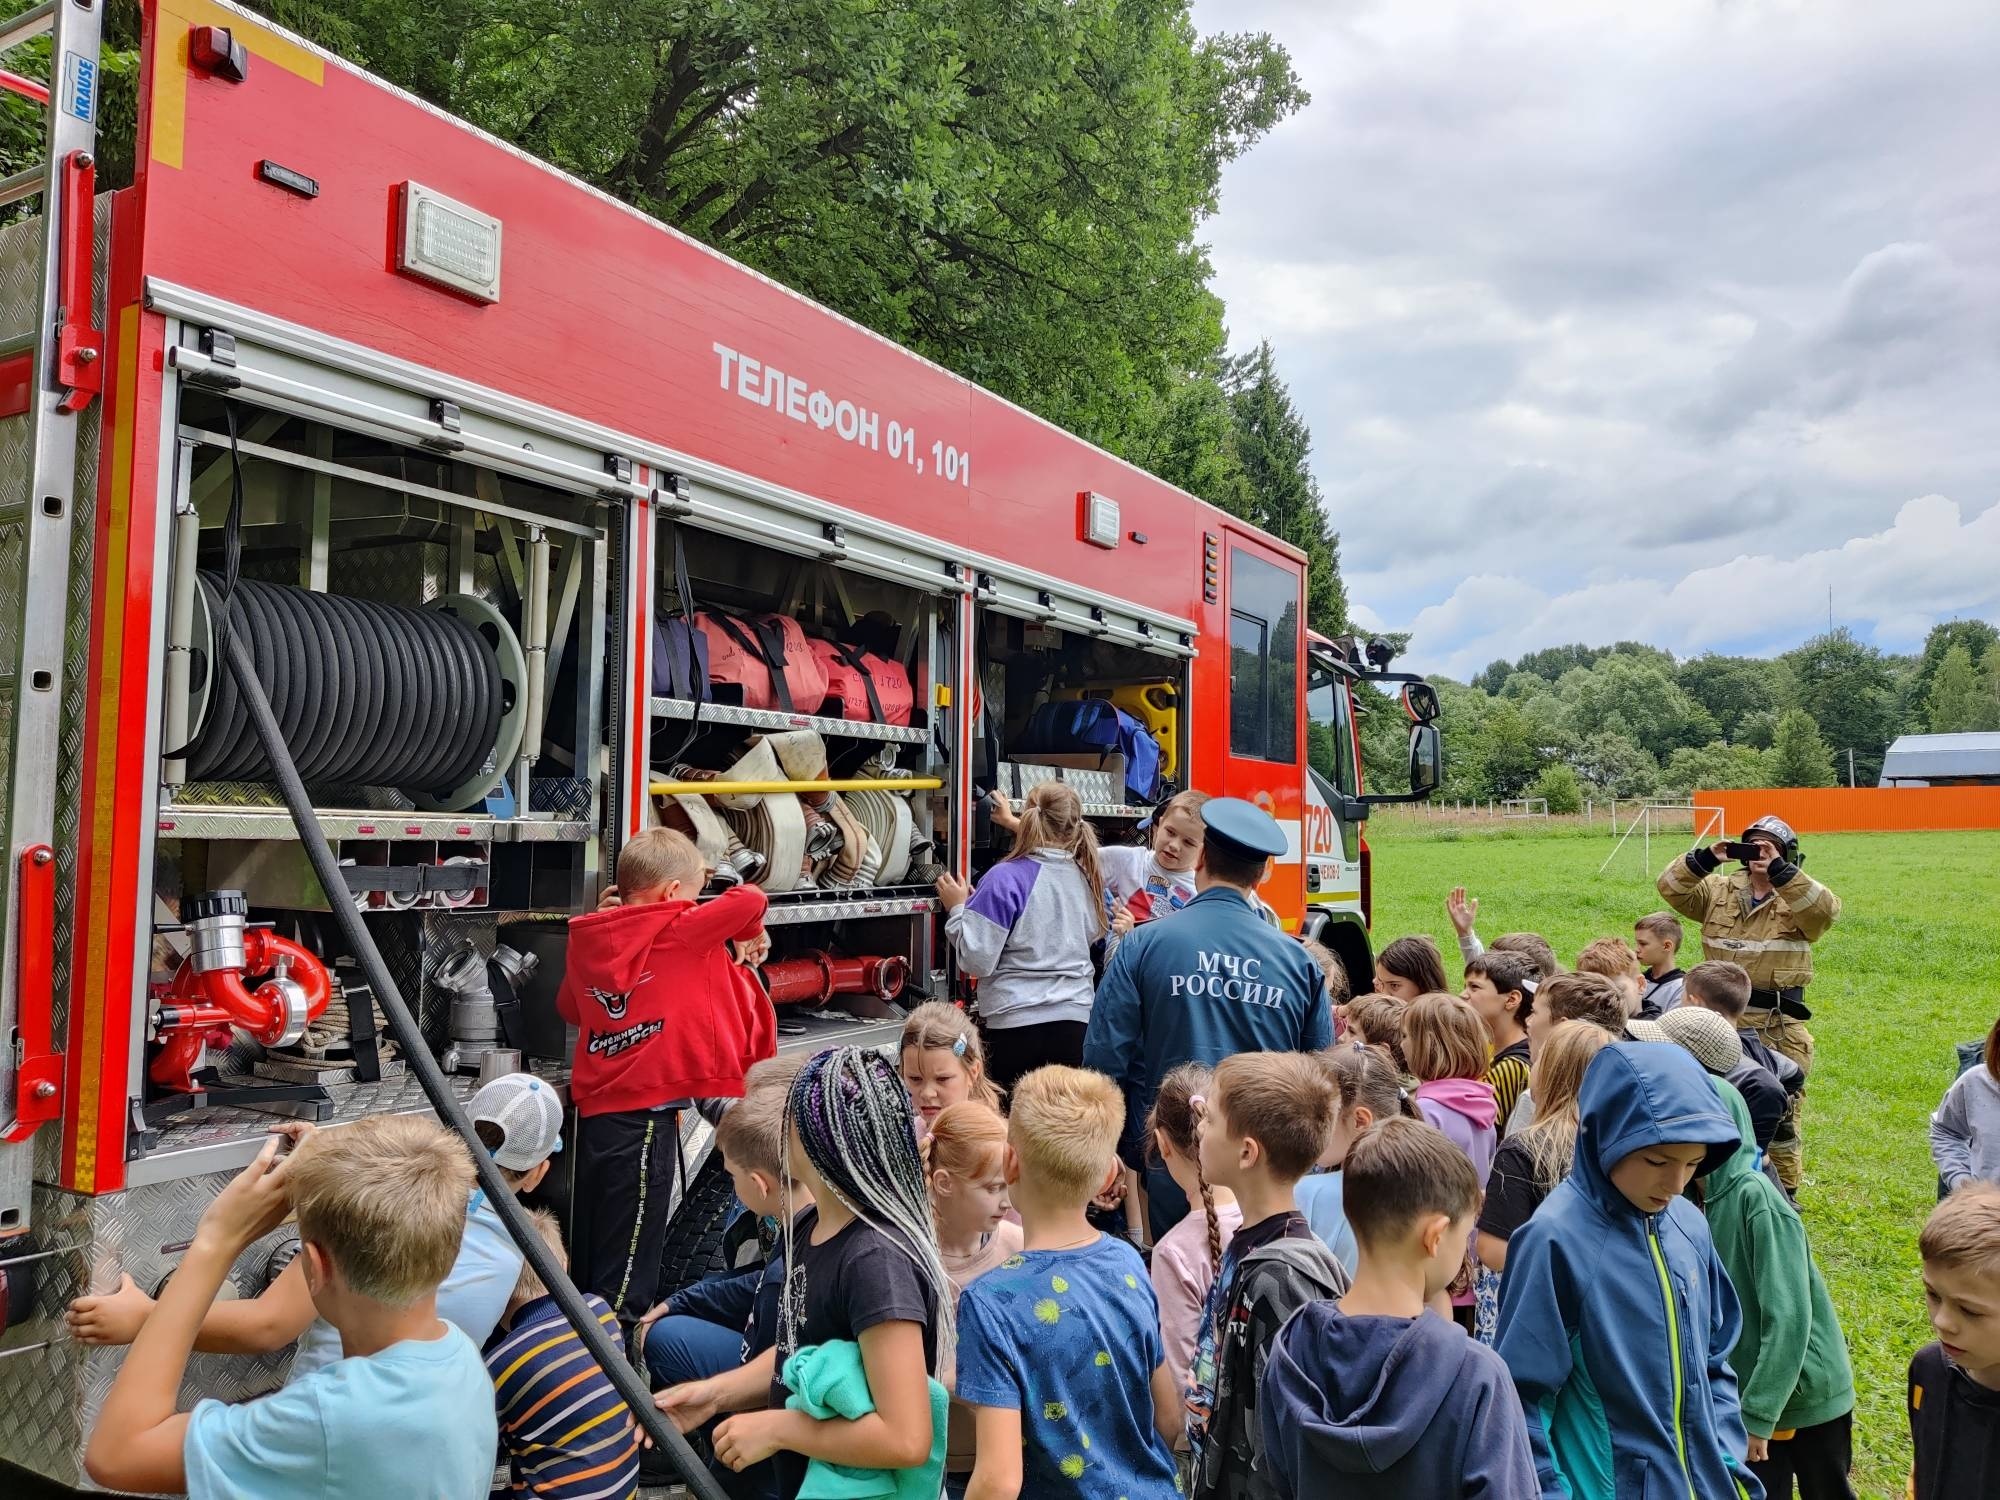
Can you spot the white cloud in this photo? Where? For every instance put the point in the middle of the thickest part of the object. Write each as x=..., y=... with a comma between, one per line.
x=1929, y=564
x=1584, y=301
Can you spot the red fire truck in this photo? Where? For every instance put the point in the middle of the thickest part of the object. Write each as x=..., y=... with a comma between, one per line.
x=478, y=462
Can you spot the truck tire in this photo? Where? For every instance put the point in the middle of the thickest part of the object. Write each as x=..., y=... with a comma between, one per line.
x=697, y=1236
x=1348, y=939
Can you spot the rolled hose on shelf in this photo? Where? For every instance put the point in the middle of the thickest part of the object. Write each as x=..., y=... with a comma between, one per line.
x=242, y=666
x=431, y=701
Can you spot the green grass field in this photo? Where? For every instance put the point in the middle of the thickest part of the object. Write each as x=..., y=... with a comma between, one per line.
x=1906, y=974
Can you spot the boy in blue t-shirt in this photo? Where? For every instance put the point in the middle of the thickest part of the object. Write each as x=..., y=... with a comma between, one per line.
x=1057, y=1345
x=407, y=1410
x=519, y=1120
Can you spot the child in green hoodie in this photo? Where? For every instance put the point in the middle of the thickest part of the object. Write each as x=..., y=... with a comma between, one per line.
x=1791, y=1360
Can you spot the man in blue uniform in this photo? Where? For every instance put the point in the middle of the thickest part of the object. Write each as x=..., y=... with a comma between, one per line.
x=1212, y=980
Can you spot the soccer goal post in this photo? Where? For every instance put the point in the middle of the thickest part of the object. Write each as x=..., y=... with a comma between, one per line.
x=1684, y=819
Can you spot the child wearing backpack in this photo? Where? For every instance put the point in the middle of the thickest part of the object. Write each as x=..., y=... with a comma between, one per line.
x=1264, y=1124
x=1026, y=933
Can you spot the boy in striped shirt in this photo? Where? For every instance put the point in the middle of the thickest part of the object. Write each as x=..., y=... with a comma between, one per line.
x=564, y=1431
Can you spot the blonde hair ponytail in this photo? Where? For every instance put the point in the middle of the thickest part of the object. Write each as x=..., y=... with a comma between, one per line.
x=1052, y=818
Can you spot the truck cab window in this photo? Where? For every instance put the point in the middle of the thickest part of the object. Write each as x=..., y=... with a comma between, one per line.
x=1329, y=739
x=1263, y=659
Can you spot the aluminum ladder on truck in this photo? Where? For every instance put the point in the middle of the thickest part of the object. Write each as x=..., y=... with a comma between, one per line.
x=50, y=372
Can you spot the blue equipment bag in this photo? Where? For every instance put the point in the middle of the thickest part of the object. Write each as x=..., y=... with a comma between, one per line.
x=1094, y=726
x=680, y=660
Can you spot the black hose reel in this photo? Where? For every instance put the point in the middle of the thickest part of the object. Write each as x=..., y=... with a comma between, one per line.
x=430, y=701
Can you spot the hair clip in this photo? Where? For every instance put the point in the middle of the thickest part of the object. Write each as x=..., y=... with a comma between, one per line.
x=958, y=1046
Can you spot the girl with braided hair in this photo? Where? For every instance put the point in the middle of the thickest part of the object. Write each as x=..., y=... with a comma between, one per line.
x=861, y=1265
x=1185, y=1257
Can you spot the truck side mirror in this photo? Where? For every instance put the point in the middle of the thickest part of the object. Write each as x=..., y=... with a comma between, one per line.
x=1426, y=758
x=1420, y=702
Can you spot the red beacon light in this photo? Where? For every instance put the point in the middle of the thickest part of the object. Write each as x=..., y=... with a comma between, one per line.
x=212, y=50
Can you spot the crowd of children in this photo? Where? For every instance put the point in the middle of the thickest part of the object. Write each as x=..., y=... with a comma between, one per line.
x=1519, y=1241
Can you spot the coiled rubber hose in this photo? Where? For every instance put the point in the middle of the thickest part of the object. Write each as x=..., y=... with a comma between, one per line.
x=364, y=694
x=270, y=739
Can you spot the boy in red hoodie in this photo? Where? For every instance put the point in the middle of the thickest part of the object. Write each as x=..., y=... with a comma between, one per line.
x=666, y=1012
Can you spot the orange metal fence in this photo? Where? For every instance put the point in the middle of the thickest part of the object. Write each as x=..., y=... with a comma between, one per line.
x=1862, y=809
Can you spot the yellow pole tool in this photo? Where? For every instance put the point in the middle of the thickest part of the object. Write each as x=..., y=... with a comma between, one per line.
x=779, y=788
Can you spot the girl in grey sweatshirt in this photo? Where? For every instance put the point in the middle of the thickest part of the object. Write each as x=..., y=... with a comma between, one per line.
x=1025, y=935
x=1965, y=1131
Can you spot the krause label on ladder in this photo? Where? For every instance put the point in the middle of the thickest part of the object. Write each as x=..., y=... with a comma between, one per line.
x=80, y=86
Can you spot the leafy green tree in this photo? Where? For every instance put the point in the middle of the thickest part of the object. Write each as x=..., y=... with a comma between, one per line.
x=1798, y=756
x=1616, y=765
x=1717, y=766
x=1958, y=699
x=1758, y=729
x=1732, y=688
x=1192, y=443
x=1510, y=757
x=1636, y=697
x=1976, y=636
x=1849, y=689
x=1013, y=190
x=1552, y=662
x=1275, y=449
x=1523, y=687
x=1558, y=784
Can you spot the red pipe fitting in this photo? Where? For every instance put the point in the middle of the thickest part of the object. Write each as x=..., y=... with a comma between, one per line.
x=815, y=977
x=261, y=1012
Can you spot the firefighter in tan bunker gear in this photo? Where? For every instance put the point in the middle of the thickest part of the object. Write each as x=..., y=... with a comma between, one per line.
x=1765, y=916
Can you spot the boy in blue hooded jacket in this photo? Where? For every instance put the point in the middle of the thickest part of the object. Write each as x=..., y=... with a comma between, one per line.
x=1616, y=1317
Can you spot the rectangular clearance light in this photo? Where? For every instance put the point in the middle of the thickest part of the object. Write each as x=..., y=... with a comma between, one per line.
x=448, y=242
x=1100, y=519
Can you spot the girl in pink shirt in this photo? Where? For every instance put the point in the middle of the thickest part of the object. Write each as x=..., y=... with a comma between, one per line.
x=1185, y=1257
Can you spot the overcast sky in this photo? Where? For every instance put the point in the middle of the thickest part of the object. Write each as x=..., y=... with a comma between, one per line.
x=1636, y=320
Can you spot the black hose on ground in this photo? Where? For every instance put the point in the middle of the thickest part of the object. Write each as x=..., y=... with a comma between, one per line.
x=361, y=943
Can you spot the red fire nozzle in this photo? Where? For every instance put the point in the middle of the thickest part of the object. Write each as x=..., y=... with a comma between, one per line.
x=815, y=977
x=198, y=1006
x=264, y=1012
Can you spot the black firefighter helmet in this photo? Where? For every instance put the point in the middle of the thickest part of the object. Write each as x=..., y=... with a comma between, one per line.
x=1780, y=833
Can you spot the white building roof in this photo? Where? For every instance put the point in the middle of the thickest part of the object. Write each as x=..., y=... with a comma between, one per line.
x=1938, y=757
